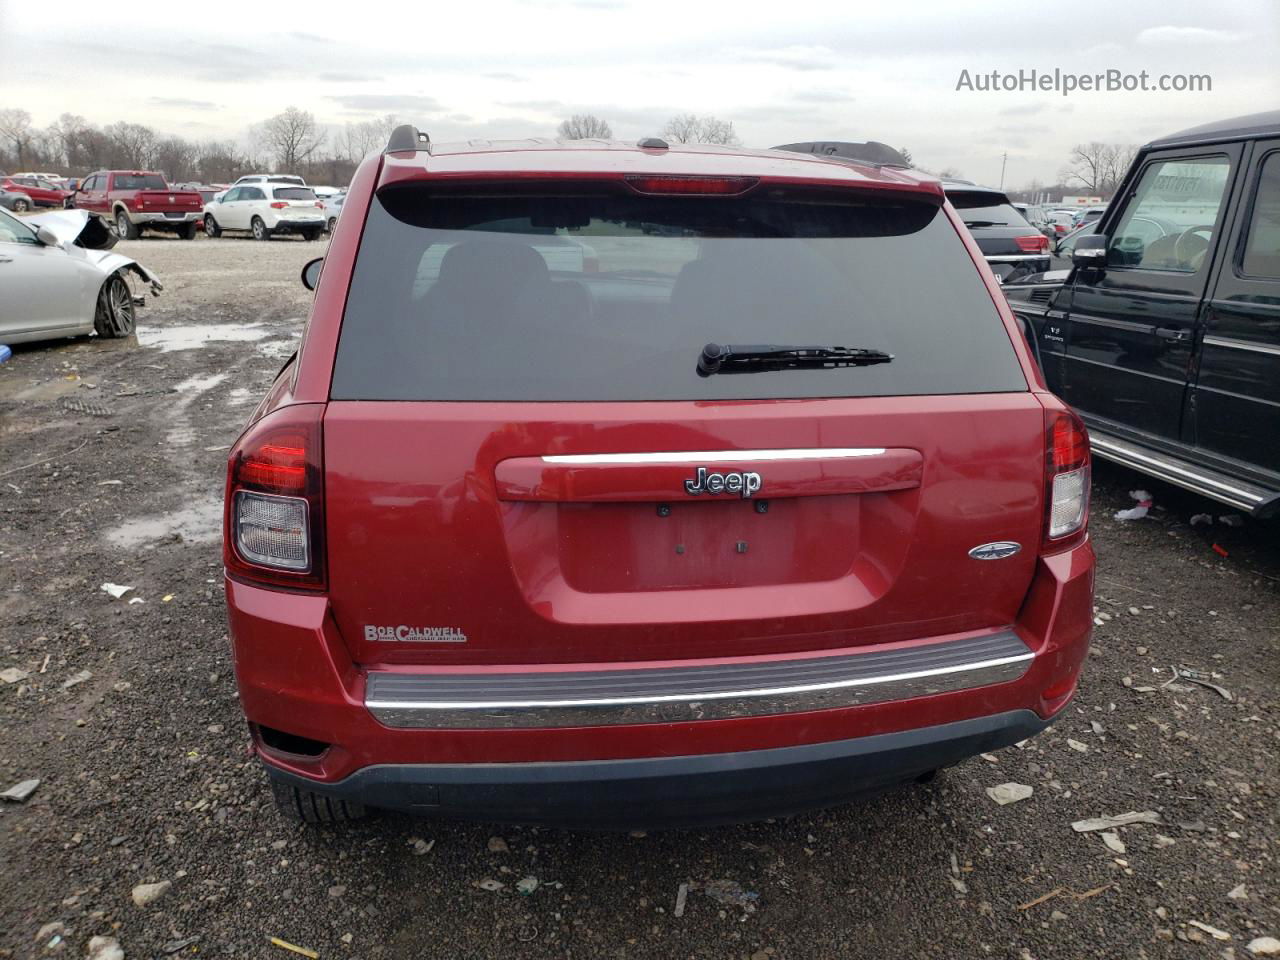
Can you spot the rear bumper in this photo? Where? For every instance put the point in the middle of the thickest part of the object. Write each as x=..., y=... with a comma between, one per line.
x=296, y=676
x=653, y=792
x=162, y=219
x=285, y=226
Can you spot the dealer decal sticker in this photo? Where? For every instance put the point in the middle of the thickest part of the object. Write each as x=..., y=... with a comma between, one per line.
x=407, y=634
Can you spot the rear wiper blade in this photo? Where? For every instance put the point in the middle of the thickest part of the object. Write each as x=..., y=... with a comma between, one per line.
x=985, y=223
x=753, y=357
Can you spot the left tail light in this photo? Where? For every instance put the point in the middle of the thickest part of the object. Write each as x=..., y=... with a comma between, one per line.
x=273, y=522
x=278, y=205
x=1067, y=461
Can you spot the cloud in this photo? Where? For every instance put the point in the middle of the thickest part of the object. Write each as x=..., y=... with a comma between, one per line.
x=1024, y=110
x=510, y=77
x=309, y=37
x=389, y=102
x=824, y=96
x=794, y=57
x=348, y=78
x=182, y=103
x=1169, y=36
x=598, y=4
x=542, y=106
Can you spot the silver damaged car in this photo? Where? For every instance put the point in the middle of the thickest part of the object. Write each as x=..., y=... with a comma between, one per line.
x=59, y=278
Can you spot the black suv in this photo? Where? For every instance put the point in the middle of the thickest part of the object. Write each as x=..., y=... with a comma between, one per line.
x=1012, y=246
x=1165, y=335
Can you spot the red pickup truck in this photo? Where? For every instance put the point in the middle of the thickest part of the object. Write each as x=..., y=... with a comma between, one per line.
x=133, y=199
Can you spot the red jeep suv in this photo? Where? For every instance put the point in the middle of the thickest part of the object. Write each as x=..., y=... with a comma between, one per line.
x=624, y=485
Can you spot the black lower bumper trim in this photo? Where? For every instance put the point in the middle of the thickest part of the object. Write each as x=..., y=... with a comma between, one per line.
x=654, y=792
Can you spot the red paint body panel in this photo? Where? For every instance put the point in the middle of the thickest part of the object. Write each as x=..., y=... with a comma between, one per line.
x=446, y=514
x=417, y=533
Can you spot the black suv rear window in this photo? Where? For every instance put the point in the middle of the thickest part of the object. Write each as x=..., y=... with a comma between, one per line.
x=612, y=297
x=982, y=209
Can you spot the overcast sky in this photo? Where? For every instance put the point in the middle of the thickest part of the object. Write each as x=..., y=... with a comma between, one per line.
x=780, y=71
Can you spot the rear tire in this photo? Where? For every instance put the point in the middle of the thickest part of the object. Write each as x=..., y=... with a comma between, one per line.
x=333, y=222
x=260, y=231
x=211, y=228
x=311, y=235
x=125, y=227
x=21, y=206
x=115, y=315
x=306, y=806
x=187, y=231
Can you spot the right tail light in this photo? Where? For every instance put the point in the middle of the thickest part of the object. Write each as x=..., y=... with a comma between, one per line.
x=273, y=528
x=1066, y=478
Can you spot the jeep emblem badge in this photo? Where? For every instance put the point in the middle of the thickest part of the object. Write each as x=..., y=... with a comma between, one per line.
x=744, y=484
x=995, y=551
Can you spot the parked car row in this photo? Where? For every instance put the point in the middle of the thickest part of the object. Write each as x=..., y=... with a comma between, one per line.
x=262, y=205
x=38, y=191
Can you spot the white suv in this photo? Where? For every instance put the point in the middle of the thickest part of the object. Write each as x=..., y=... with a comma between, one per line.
x=270, y=178
x=266, y=208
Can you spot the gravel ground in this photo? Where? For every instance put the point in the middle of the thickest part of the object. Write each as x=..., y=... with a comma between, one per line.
x=111, y=460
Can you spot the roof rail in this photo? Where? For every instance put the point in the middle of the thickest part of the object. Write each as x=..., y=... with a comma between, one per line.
x=407, y=137
x=872, y=152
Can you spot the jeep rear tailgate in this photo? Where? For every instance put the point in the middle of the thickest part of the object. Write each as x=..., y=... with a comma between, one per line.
x=524, y=466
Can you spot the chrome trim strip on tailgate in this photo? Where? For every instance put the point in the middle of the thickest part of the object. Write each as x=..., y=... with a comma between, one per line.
x=717, y=456
x=678, y=694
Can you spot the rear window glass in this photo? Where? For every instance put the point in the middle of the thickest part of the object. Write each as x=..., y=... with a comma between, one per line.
x=292, y=193
x=610, y=297
x=142, y=181
x=978, y=210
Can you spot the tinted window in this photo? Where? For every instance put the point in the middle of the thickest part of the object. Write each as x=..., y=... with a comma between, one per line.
x=142, y=181
x=613, y=298
x=978, y=210
x=251, y=193
x=292, y=193
x=1184, y=196
x=1262, y=249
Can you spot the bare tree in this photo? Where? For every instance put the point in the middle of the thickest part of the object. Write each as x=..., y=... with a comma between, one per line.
x=689, y=128
x=15, y=127
x=906, y=154
x=683, y=128
x=133, y=145
x=584, y=126
x=1098, y=167
x=355, y=140
x=176, y=158
x=291, y=137
x=221, y=161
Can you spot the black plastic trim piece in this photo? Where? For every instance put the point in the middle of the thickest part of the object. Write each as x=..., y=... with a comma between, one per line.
x=683, y=791
x=407, y=137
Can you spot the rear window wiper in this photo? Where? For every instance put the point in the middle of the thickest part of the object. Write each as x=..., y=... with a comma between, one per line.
x=753, y=357
x=985, y=223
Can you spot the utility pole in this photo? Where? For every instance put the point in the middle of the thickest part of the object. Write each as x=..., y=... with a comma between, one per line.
x=1004, y=158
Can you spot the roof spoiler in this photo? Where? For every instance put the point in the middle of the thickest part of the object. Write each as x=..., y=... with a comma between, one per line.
x=872, y=152
x=407, y=137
